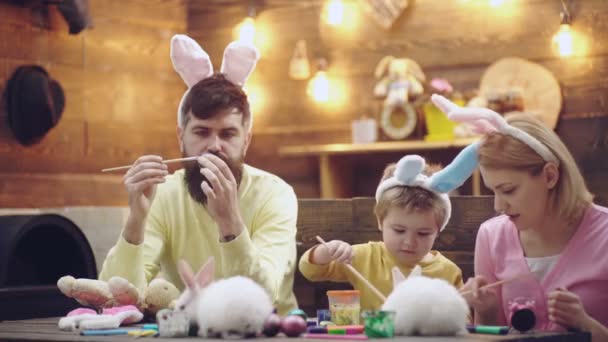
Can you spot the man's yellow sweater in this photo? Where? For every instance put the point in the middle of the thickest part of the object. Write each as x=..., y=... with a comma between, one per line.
x=375, y=263
x=179, y=228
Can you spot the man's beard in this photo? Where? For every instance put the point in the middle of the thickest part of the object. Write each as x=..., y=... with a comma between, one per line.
x=194, y=178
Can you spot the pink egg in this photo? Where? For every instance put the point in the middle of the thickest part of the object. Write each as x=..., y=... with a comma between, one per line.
x=293, y=326
x=272, y=325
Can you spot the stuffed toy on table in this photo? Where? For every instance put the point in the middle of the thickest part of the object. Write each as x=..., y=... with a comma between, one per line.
x=119, y=301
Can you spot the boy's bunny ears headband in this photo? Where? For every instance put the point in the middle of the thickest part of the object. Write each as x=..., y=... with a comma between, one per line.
x=193, y=64
x=485, y=121
x=409, y=173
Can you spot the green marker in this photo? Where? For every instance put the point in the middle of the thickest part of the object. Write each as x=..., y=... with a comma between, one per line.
x=488, y=329
x=334, y=331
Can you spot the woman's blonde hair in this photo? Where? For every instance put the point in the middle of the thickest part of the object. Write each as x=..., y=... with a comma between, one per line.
x=411, y=198
x=570, y=196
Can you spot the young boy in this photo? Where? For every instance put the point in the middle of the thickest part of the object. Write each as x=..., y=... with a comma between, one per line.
x=411, y=211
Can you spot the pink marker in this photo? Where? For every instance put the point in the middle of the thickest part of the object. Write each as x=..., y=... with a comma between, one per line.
x=335, y=337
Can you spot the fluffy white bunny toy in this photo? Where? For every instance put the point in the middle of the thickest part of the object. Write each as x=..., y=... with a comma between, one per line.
x=426, y=306
x=195, y=283
x=231, y=307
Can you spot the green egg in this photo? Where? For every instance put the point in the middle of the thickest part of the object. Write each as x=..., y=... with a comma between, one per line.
x=298, y=312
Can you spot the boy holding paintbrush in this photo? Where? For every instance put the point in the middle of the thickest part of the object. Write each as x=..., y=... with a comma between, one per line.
x=411, y=209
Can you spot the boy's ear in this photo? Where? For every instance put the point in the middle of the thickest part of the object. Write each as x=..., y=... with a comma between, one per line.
x=379, y=224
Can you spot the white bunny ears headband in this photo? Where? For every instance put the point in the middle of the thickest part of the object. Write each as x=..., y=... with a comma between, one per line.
x=409, y=173
x=193, y=64
x=485, y=121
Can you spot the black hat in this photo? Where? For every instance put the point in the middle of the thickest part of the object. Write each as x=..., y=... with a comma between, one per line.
x=34, y=103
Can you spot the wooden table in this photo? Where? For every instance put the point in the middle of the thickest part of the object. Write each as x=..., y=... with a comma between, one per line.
x=336, y=172
x=45, y=329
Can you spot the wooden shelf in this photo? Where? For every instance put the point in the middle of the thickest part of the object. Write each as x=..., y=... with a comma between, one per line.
x=336, y=173
x=384, y=146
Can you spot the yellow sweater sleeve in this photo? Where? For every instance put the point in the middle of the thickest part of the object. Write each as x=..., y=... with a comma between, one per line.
x=268, y=256
x=333, y=271
x=367, y=260
x=139, y=264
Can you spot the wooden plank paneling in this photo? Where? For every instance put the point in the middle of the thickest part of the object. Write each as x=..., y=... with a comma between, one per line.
x=36, y=190
x=121, y=98
x=117, y=75
x=132, y=98
x=118, y=45
x=156, y=14
x=477, y=36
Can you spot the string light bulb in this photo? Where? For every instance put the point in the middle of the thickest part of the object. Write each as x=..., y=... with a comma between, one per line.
x=563, y=40
x=335, y=12
x=496, y=3
x=318, y=86
x=247, y=30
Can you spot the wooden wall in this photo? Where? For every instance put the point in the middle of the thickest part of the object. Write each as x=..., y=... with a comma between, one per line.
x=121, y=98
x=122, y=92
x=456, y=40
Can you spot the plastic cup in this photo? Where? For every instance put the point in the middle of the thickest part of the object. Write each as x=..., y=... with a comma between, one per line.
x=379, y=323
x=344, y=306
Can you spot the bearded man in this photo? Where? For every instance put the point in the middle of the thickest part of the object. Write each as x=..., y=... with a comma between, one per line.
x=216, y=206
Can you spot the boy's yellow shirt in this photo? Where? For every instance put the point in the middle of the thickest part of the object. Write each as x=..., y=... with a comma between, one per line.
x=375, y=263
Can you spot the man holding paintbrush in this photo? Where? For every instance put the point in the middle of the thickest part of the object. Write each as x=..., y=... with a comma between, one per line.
x=216, y=206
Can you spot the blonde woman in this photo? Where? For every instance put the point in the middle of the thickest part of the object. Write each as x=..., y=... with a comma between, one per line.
x=550, y=236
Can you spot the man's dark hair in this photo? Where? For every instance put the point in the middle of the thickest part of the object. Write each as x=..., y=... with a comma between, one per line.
x=212, y=96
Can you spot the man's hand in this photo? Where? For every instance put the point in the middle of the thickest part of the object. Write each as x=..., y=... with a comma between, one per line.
x=221, y=190
x=140, y=181
x=565, y=308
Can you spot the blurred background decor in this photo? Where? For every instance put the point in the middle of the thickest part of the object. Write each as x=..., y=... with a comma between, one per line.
x=121, y=90
x=400, y=82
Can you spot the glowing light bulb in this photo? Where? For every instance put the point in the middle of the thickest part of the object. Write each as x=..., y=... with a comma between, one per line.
x=564, y=41
x=496, y=3
x=318, y=87
x=247, y=30
x=335, y=12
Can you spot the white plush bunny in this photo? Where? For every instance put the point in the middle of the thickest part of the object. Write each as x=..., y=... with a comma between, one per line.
x=426, y=306
x=195, y=284
x=232, y=307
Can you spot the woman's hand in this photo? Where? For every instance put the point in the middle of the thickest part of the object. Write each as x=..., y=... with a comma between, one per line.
x=565, y=308
x=483, y=301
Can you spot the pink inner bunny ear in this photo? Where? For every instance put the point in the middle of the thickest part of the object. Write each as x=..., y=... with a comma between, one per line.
x=443, y=103
x=416, y=272
x=206, y=274
x=239, y=61
x=482, y=127
x=185, y=272
x=190, y=60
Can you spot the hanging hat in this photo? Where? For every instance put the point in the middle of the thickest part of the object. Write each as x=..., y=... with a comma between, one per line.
x=34, y=103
